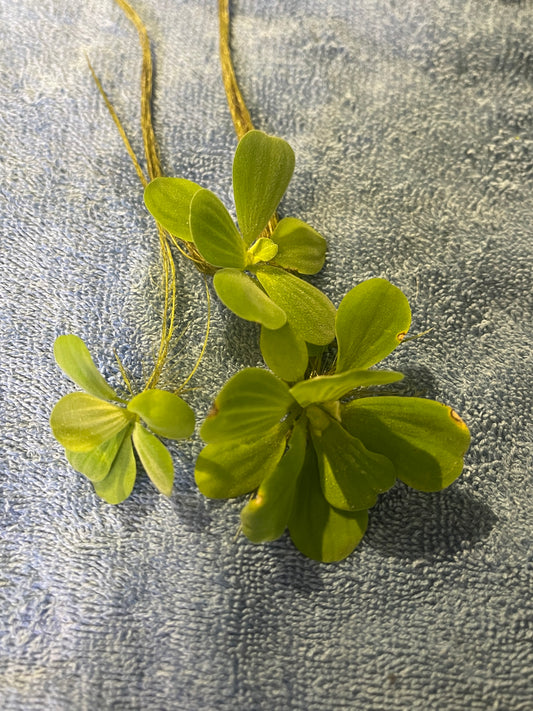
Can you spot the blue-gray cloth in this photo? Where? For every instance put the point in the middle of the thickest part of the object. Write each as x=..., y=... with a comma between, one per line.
x=412, y=126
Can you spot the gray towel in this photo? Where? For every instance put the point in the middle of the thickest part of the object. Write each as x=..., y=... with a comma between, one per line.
x=412, y=127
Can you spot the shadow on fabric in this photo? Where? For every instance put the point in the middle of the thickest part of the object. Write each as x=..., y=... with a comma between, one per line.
x=416, y=525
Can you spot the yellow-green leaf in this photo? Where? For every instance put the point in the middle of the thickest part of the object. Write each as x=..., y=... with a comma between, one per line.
x=262, y=169
x=372, y=319
x=266, y=516
x=118, y=484
x=285, y=352
x=234, y=467
x=249, y=404
x=169, y=201
x=309, y=311
x=81, y=422
x=351, y=476
x=262, y=250
x=155, y=459
x=214, y=233
x=96, y=464
x=242, y=295
x=165, y=413
x=300, y=247
x=74, y=359
x=319, y=530
x=332, y=387
x=425, y=440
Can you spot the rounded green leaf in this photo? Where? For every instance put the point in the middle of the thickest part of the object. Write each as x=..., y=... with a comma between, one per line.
x=250, y=403
x=74, y=359
x=165, y=413
x=319, y=530
x=235, y=467
x=309, y=311
x=242, y=295
x=155, y=459
x=96, y=464
x=351, y=476
x=332, y=387
x=169, y=201
x=262, y=169
x=118, y=484
x=266, y=516
x=81, y=422
x=214, y=233
x=300, y=247
x=372, y=319
x=425, y=440
x=285, y=352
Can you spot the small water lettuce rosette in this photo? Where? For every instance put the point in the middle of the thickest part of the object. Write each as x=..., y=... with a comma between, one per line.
x=316, y=454
x=100, y=430
x=256, y=268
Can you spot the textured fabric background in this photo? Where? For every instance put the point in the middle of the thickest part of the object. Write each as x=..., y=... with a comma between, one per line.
x=412, y=125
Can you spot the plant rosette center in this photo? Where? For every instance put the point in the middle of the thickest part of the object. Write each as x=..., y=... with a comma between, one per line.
x=317, y=454
x=257, y=276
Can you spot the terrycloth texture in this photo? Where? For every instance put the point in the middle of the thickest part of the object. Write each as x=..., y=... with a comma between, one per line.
x=411, y=123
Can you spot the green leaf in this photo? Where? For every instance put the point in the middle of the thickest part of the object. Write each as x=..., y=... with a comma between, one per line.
x=96, y=463
x=266, y=516
x=351, y=476
x=242, y=295
x=165, y=413
x=249, y=404
x=169, y=201
x=300, y=247
x=425, y=440
x=285, y=352
x=372, y=320
x=155, y=459
x=74, y=359
x=118, y=484
x=231, y=468
x=81, y=422
x=332, y=387
x=309, y=311
x=262, y=169
x=318, y=530
x=263, y=250
x=213, y=232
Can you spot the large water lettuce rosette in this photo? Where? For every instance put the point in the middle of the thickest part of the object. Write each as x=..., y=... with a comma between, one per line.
x=317, y=453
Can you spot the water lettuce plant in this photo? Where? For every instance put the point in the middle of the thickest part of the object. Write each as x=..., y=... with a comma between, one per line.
x=317, y=454
x=100, y=430
x=256, y=268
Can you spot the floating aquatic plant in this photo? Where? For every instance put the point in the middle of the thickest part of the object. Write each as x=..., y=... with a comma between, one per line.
x=100, y=430
x=317, y=454
x=256, y=274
